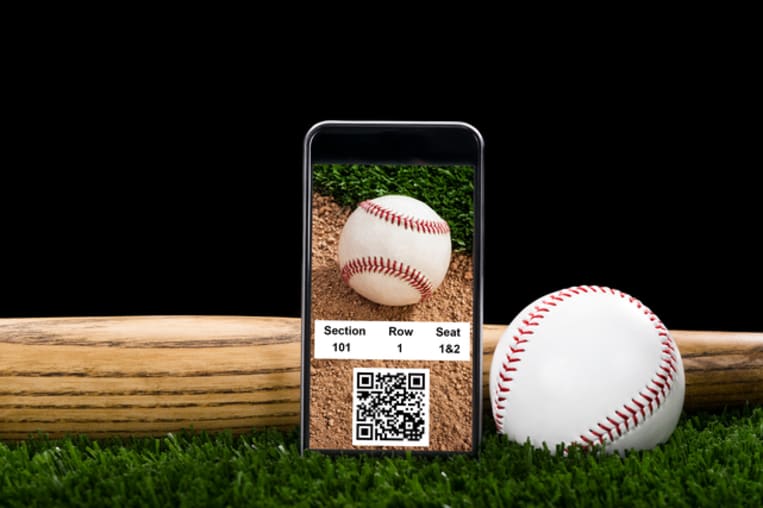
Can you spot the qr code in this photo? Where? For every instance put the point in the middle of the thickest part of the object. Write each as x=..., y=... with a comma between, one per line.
x=390, y=407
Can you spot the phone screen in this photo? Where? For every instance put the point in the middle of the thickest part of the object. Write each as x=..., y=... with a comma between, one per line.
x=392, y=313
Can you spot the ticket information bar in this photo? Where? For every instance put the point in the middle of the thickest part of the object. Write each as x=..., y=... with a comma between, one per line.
x=392, y=340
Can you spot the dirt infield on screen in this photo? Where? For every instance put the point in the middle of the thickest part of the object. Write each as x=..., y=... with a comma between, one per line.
x=337, y=190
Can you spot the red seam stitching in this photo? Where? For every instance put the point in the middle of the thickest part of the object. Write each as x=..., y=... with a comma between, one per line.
x=662, y=379
x=397, y=269
x=435, y=227
x=651, y=398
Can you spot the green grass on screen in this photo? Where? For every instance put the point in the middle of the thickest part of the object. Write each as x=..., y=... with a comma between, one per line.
x=711, y=460
x=447, y=190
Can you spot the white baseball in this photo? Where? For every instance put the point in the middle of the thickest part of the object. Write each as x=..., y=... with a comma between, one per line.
x=587, y=365
x=394, y=250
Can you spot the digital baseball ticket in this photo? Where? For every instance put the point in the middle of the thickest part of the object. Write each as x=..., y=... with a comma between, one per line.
x=392, y=340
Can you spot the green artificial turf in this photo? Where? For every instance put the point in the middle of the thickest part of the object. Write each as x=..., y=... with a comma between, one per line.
x=448, y=190
x=711, y=460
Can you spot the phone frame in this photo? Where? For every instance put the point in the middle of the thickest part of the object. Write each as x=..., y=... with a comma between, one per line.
x=477, y=261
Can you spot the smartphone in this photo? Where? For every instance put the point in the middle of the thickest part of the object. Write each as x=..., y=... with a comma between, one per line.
x=392, y=288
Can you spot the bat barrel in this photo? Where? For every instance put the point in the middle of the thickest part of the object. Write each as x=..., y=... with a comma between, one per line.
x=148, y=375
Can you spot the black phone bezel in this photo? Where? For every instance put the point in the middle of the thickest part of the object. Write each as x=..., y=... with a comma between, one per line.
x=428, y=143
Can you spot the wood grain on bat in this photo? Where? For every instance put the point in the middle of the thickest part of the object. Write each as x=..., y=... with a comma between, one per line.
x=148, y=375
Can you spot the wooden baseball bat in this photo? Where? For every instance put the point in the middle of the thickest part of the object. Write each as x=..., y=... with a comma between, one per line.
x=148, y=375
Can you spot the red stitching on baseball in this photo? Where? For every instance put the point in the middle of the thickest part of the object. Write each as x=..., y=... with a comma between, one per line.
x=616, y=424
x=662, y=378
x=640, y=406
x=413, y=277
x=435, y=227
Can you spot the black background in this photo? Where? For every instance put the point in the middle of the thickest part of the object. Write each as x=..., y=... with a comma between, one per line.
x=166, y=188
